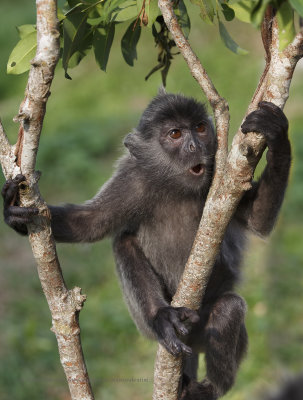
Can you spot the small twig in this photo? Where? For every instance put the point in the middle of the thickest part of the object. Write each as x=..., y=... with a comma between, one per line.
x=7, y=156
x=266, y=34
x=218, y=103
x=19, y=146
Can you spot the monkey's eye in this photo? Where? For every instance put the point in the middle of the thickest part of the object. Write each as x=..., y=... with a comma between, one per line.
x=201, y=128
x=175, y=134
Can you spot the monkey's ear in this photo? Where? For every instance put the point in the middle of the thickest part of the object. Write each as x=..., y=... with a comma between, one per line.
x=132, y=142
x=162, y=91
x=211, y=124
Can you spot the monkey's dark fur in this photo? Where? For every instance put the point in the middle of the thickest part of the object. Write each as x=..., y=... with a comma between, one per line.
x=292, y=390
x=152, y=207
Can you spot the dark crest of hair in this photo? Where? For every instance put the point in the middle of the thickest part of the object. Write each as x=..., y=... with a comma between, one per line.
x=167, y=106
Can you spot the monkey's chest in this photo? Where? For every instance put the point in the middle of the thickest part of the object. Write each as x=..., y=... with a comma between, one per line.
x=167, y=237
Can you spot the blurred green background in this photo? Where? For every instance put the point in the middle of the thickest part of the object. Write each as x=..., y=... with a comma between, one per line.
x=82, y=137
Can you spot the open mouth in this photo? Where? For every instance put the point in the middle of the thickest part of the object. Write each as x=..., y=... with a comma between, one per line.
x=197, y=170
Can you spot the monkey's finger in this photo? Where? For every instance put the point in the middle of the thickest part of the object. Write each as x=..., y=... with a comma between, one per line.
x=23, y=212
x=271, y=107
x=19, y=178
x=5, y=188
x=11, y=188
x=180, y=328
x=187, y=313
x=13, y=220
x=276, y=112
x=9, y=193
x=174, y=345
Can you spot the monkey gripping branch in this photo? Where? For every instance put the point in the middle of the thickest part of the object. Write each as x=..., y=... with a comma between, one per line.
x=233, y=175
x=64, y=304
x=232, y=178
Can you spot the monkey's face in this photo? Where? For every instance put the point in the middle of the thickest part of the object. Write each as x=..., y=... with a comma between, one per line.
x=175, y=142
x=190, y=146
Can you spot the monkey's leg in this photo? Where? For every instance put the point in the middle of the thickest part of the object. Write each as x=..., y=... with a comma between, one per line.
x=225, y=343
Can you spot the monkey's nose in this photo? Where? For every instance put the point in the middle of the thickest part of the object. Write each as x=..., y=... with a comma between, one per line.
x=192, y=147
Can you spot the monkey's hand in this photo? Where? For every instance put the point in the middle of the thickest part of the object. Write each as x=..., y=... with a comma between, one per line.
x=270, y=121
x=168, y=322
x=15, y=216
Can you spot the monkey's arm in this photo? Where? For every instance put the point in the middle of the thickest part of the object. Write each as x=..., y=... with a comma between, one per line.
x=111, y=209
x=144, y=293
x=117, y=205
x=259, y=207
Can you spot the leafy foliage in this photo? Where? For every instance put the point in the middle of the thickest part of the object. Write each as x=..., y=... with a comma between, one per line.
x=90, y=25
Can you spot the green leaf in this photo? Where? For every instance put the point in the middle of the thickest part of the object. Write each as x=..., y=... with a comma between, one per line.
x=102, y=42
x=228, y=12
x=75, y=9
x=183, y=18
x=22, y=54
x=207, y=11
x=74, y=30
x=139, y=5
x=229, y=42
x=24, y=30
x=74, y=3
x=95, y=21
x=109, y=8
x=126, y=11
x=152, y=10
x=82, y=51
x=285, y=18
x=243, y=10
x=129, y=43
x=298, y=6
x=60, y=15
x=258, y=12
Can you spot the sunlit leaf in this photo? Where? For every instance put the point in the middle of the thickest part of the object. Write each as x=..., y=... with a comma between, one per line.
x=207, y=11
x=102, y=43
x=287, y=32
x=94, y=21
x=60, y=14
x=127, y=10
x=24, y=30
x=243, y=10
x=110, y=8
x=129, y=43
x=22, y=54
x=229, y=42
x=152, y=10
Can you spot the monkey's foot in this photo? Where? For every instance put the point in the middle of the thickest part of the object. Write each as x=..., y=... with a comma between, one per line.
x=204, y=390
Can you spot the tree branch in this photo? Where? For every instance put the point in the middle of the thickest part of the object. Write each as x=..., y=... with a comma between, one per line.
x=64, y=304
x=232, y=178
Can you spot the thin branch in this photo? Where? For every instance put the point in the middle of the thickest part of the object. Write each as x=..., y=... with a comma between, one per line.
x=64, y=304
x=266, y=34
x=7, y=157
x=218, y=103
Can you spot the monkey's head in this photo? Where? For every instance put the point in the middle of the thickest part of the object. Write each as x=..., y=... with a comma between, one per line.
x=175, y=142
